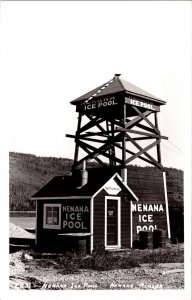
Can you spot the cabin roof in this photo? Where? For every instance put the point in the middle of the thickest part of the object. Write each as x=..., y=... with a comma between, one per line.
x=117, y=85
x=64, y=186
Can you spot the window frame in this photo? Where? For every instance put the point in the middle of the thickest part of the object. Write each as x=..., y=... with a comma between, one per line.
x=51, y=226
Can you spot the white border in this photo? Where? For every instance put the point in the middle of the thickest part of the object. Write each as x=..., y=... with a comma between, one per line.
x=91, y=222
x=166, y=205
x=131, y=225
x=118, y=199
x=121, y=182
x=47, y=226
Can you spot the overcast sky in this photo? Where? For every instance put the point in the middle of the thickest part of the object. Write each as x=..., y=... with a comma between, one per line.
x=53, y=52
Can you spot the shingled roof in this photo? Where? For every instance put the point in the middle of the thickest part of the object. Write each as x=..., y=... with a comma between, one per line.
x=64, y=186
x=117, y=85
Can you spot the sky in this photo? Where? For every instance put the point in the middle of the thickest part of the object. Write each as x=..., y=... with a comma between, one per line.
x=53, y=52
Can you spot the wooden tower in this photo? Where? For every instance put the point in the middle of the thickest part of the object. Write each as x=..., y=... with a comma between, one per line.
x=113, y=120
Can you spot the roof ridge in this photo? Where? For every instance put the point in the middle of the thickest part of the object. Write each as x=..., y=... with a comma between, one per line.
x=120, y=81
x=116, y=76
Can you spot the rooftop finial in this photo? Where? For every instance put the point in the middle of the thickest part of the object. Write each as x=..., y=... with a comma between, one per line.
x=116, y=76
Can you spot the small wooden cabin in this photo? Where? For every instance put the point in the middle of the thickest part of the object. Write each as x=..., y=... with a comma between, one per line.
x=97, y=209
x=97, y=206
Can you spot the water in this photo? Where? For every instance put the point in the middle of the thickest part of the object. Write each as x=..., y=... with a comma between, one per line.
x=23, y=222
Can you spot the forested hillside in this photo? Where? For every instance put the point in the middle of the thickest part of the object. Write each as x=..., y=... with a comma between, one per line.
x=28, y=173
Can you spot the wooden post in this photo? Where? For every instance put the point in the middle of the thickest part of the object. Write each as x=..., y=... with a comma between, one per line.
x=166, y=204
x=124, y=139
x=124, y=169
x=113, y=147
x=158, y=145
x=77, y=140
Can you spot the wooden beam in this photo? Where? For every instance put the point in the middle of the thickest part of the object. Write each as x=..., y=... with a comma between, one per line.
x=94, y=157
x=142, y=151
x=87, y=134
x=137, y=119
x=140, y=157
x=142, y=133
x=96, y=123
x=145, y=128
x=158, y=145
x=146, y=154
x=124, y=138
x=90, y=124
x=142, y=138
x=145, y=118
x=77, y=137
x=95, y=151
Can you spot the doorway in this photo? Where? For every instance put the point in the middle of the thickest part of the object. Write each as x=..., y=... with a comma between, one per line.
x=112, y=222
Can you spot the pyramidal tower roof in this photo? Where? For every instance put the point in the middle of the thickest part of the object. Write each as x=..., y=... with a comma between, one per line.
x=117, y=85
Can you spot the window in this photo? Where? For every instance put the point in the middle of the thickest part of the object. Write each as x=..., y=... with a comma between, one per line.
x=52, y=216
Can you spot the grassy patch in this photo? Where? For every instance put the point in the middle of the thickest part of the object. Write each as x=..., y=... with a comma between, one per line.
x=102, y=260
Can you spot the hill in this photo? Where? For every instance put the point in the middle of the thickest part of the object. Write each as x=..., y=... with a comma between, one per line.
x=28, y=173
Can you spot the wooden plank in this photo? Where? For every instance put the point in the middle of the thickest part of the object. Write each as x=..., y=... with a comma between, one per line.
x=96, y=123
x=124, y=140
x=137, y=119
x=132, y=153
x=158, y=145
x=89, y=152
x=146, y=154
x=142, y=138
x=77, y=137
x=142, y=151
x=95, y=151
x=142, y=133
x=90, y=124
x=141, y=102
x=147, y=120
x=145, y=128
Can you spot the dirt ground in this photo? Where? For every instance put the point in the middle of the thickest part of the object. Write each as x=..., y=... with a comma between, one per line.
x=27, y=273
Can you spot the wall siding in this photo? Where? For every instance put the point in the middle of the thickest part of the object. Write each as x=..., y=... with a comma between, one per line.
x=150, y=190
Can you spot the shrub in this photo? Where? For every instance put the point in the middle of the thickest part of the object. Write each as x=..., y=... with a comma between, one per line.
x=69, y=264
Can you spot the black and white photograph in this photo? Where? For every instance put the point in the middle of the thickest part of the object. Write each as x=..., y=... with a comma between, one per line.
x=96, y=149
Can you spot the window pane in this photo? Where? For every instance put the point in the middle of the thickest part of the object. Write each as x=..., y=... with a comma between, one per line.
x=55, y=215
x=49, y=215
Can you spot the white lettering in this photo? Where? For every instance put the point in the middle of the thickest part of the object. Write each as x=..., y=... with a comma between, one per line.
x=161, y=208
x=138, y=228
x=155, y=207
x=144, y=207
x=147, y=207
x=139, y=207
x=145, y=228
x=64, y=224
x=72, y=216
x=75, y=209
x=144, y=218
x=150, y=218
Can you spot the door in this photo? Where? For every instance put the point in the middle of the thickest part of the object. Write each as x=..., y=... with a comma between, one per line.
x=112, y=222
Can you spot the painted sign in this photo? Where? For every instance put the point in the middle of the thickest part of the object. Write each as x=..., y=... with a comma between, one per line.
x=142, y=103
x=111, y=187
x=99, y=103
x=76, y=218
x=148, y=217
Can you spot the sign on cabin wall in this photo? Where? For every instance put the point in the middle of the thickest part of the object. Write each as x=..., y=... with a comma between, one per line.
x=111, y=187
x=76, y=216
x=141, y=103
x=148, y=217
